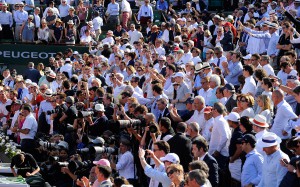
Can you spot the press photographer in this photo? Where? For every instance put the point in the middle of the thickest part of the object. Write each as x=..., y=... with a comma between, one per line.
x=99, y=124
x=59, y=107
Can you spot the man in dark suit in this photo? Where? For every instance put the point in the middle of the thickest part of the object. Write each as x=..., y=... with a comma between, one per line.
x=181, y=145
x=103, y=173
x=163, y=110
x=199, y=150
x=31, y=73
x=213, y=28
x=229, y=92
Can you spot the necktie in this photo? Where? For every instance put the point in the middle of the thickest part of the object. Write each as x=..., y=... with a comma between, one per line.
x=160, y=115
x=218, y=63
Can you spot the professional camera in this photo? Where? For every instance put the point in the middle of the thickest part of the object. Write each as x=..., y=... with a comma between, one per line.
x=129, y=123
x=48, y=145
x=153, y=128
x=83, y=114
x=83, y=150
x=56, y=110
x=101, y=150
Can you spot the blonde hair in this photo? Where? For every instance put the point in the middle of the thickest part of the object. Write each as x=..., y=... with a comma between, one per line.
x=266, y=102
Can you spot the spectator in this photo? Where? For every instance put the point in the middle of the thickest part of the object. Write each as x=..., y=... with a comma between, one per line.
x=32, y=73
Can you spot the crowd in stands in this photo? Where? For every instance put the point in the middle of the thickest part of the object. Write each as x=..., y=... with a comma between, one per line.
x=202, y=99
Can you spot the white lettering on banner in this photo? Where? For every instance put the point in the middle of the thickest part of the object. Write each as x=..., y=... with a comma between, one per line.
x=25, y=54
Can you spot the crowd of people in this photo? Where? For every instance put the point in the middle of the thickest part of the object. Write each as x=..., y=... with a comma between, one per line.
x=203, y=99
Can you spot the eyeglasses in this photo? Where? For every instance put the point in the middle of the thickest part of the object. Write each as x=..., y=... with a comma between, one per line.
x=52, y=101
x=244, y=101
x=170, y=172
x=208, y=53
x=42, y=88
x=139, y=70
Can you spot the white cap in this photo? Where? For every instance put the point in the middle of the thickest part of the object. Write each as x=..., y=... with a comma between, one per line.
x=99, y=107
x=171, y=157
x=233, y=116
x=63, y=144
x=28, y=81
x=178, y=74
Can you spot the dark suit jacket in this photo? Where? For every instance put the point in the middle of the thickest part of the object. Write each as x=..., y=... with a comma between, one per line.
x=212, y=29
x=32, y=74
x=231, y=103
x=213, y=169
x=227, y=41
x=182, y=146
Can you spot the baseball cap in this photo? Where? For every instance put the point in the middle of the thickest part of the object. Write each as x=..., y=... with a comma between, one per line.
x=233, y=116
x=207, y=110
x=178, y=74
x=171, y=157
x=248, y=138
x=102, y=162
x=189, y=100
x=229, y=87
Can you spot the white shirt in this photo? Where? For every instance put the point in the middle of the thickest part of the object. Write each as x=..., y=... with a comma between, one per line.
x=283, y=114
x=67, y=68
x=37, y=21
x=109, y=40
x=186, y=57
x=196, y=60
x=206, y=131
x=86, y=39
x=205, y=94
x=258, y=137
x=125, y=165
x=220, y=137
x=248, y=112
x=31, y=124
x=160, y=50
x=3, y=107
x=118, y=90
x=55, y=11
x=135, y=36
x=222, y=59
x=125, y=6
x=97, y=23
x=138, y=90
x=165, y=36
x=249, y=86
x=269, y=70
x=198, y=117
x=44, y=107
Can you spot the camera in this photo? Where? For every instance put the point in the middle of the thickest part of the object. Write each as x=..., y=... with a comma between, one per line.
x=101, y=150
x=129, y=123
x=83, y=114
x=153, y=128
x=48, y=145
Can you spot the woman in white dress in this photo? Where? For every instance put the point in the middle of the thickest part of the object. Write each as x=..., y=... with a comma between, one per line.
x=264, y=103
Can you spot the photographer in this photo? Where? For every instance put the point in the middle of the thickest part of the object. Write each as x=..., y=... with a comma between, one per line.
x=44, y=112
x=125, y=165
x=59, y=107
x=26, y=165
x=99, y=125
x=70, y=114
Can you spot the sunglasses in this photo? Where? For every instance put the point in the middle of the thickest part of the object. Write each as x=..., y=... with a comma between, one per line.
x=170, y=172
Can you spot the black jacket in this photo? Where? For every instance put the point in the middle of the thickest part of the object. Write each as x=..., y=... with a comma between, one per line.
x=213, y=169
x=32, y=74
x=182, y=146
x=227, y=41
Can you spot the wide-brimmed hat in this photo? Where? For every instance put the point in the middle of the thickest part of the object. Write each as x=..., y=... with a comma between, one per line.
x=198, y=67
x=90, y=23
x=99, y=108
x=110, y=32
x=58, y=20
x=48, y=93
x=70, y=22
x=205, y=65
x=259, y=120
x=178, y=74
x=269, y=139
x=52, y=74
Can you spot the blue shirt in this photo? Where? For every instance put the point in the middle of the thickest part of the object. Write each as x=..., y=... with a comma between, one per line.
x=158, y=175
x=252, y=169
x=272, y=171
x=236, y=69
x=161, y=5
x=20, y=17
